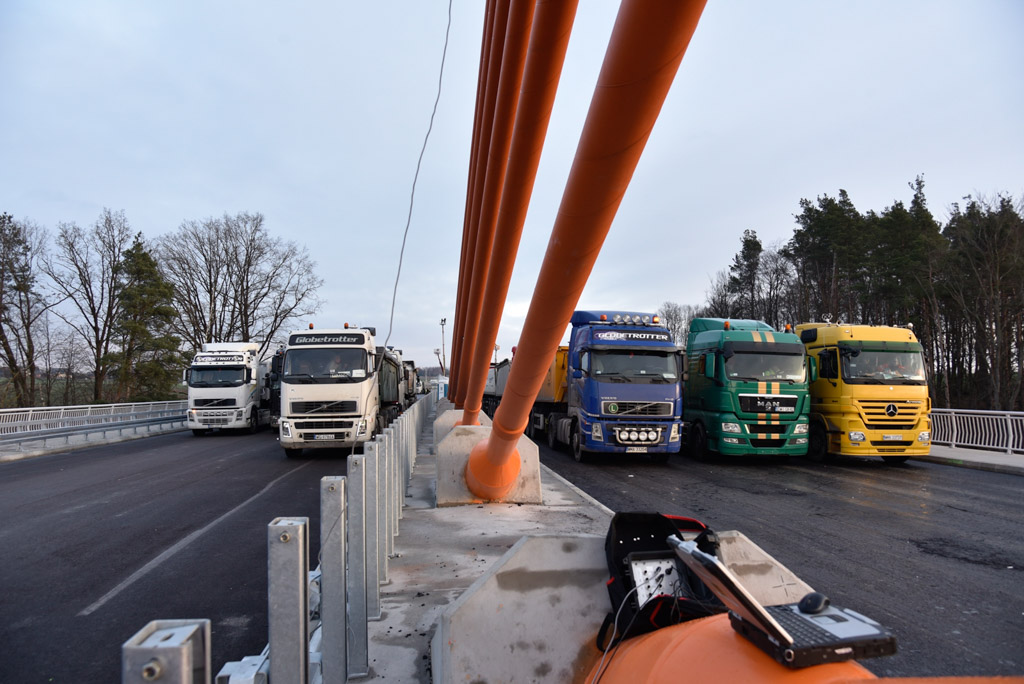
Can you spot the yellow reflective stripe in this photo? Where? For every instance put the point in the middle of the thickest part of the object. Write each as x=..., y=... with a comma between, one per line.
x=769, y=337
x=756, y=336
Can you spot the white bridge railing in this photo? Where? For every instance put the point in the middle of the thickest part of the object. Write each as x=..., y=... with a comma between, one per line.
x=995, y=430
x=18, y=426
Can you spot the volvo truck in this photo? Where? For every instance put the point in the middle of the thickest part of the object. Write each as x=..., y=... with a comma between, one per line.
x=745, y=389
x=871, y=394
x=337, y=389
x=613, y=389
x=227, y=389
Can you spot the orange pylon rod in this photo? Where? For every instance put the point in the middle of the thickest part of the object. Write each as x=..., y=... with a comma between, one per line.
x=644, y=53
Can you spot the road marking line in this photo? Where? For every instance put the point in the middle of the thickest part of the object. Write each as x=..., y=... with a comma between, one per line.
x=151, y=565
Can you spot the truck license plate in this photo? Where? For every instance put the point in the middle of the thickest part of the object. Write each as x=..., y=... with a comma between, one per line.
x=323, y=436
x=892, y=438
x=636, y=450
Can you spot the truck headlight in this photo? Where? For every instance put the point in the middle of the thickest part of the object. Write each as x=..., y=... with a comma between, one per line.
x=924, y=437
x=673, y=435
x=361, y=428
x=800, y=440
x=857, y=436
x=731, y=427
x=286, y=428
x=731, y=440
x=239, y=415
x=596, y=433
x=801, y=428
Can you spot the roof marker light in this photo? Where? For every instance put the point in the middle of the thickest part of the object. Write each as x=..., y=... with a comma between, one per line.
x=726, y=326
x=656, y=320
x=310, y=326
x=604, y=317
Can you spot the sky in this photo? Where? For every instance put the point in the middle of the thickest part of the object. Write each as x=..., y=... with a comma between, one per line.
x=314, y=114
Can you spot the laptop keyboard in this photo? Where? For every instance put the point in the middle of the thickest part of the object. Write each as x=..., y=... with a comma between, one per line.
x=804, y=633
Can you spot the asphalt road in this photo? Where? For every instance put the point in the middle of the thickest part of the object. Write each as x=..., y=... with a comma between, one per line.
x=934, y=552
x=98, y=542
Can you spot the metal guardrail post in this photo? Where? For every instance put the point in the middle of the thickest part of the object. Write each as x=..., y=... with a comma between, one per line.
x=358, y=632
x=380, y=541
x=389, y=526
x=288, y=599
x=333, y=589
x=171, y=651
x=371, y=459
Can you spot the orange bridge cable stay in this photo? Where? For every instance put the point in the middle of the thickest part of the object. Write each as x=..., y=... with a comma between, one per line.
x=644, y=53
x=457, y=320
x=482, y=143
x=549, y=39
x=510, y=79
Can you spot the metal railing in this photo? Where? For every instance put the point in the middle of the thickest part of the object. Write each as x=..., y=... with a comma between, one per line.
x=317, y=620
x=995, y=430
x=18, y=426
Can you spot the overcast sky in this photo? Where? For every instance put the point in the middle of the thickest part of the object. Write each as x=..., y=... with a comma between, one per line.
x=313, y=114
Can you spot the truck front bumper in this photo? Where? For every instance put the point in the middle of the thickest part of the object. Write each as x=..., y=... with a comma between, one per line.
x=631, y=437
x=207, y=419
x=322, y=433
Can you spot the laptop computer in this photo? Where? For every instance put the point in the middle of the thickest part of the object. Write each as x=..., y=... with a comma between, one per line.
x=793, y=638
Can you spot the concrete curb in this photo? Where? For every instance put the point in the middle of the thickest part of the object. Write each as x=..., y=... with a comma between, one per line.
x=989, y=466
x=85, y=444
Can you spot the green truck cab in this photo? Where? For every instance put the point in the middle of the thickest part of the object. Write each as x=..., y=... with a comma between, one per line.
x=745, y=389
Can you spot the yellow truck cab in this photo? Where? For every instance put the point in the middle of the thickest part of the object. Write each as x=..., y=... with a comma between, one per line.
x=871, y=394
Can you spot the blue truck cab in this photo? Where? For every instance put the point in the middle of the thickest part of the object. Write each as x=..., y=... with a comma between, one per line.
x=621, y=387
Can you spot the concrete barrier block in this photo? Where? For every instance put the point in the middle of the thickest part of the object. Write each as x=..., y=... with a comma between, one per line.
x=453, y=454
x=533, y=617
x=444, y=422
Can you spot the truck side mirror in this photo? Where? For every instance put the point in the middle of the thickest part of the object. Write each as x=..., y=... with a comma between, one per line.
x=577, y=374
x=185, y=375
x=709, y=366
x=812, y=368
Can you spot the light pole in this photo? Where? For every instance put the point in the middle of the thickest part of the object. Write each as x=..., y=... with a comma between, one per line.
x=443, y=321
x=437, y=353
x=496, y=348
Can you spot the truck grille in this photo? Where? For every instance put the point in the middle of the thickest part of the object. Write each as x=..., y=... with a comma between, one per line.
x=768, y=403
x=636, y=408
x=323, y=424
x=212, y=422
x=199, y=403
x=323, y=407
x=764, y=429
x=883, y=414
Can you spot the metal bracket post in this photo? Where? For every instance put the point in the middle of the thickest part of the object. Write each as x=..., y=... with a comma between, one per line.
x=171, y=651
x=358, y=632
x=371, y=459
x=288, y=599
x=380, y=549
x=389, y=528
x=333, y=590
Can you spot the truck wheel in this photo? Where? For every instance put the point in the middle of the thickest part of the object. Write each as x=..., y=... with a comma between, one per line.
x=530, y=431
x=576, y=442
x=552, y=434
x=817, y=443
x=698, y=442
x=254, y=422
x=198, y=433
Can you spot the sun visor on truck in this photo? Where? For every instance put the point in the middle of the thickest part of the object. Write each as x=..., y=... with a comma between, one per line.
x=881, y=345
x=733, y=346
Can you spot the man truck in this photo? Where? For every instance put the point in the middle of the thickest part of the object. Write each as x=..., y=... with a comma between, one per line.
x=871, y=394
x=337, y=389
x=613, y=389
x=745, y=389
x=226, y=388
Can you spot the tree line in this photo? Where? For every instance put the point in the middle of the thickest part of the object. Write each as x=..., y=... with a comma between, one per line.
x=102, y=315
x=959, y=283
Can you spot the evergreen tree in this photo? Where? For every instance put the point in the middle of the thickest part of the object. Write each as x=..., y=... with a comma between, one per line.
x=147, y=363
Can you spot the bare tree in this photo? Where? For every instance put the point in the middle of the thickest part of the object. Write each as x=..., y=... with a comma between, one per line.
x=21, y=303
x=718, y=301
x=84, y=270
x=234, y=282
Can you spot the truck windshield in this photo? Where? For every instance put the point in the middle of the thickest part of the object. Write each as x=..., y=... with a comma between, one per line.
x=638, y=367
x=315, y=366
x=765, y=367
x=216, y=376
x=866, y=367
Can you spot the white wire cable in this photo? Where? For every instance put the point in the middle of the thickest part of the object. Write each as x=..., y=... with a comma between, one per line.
x=615, y=625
